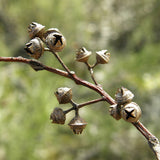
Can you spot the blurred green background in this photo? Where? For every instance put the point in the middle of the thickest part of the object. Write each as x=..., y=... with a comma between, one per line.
x=130, y=30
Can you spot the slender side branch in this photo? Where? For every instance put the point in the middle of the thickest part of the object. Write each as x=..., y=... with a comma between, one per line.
x=75, y=105
x=61, y=62
x=90, y=68
x=94, y=65
x=90, y=102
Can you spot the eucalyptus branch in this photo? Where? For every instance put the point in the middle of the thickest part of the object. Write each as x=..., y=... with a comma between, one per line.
x=121, y=107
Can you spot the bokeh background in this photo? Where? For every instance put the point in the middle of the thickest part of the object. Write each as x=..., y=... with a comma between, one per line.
x=130, y=30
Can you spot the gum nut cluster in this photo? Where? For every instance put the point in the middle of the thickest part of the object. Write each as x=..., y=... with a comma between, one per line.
x=53, y=38
x=124, y=107
x=58, y=116
x=64, y=95
x=77, y=124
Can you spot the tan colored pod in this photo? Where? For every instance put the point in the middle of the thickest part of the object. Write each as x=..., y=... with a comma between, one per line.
x=55, y=41
x=64, y=95
x=77, y=124
x=36, y=30
x=35, y=48
x=114, y=111
x=49, y=31
x=102, y=57
x=123, y=95
x=131, y=112
x=83, y=55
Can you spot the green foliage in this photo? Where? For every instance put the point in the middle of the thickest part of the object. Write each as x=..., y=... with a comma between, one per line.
x=128, y=30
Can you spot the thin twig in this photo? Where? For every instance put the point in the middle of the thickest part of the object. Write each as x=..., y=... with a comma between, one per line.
x=75, y=105
x=90, y=68
x=61, y=62
x=94, y=65
x=90, y=102
x=68, y=110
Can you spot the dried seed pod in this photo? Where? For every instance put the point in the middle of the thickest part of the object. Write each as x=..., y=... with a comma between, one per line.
x=49, y=31
x=102, y=57
x=123, y=95
x=131, y=112
x=83, y=55
x=55, y=41
x=35, y=48
x=114, y=111
x=36, y=30
x=77, y=124
x=58, y=116
x=64, y=95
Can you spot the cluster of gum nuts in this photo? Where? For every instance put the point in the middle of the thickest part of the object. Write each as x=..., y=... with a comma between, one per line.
x=58, y=116
x=55, y=42
x=52, y=38
x=124, y=107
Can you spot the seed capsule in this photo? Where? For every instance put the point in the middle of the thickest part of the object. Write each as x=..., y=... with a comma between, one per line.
x=55, y=41
x=77, y=124
x=114, y=111
x=131, y=112
x=35, y=48
x=102, y=57
x=83, y=55
x=49, y=31
x=123, y=96
x=36, y=30
x=58, y=116
x=64, y=95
